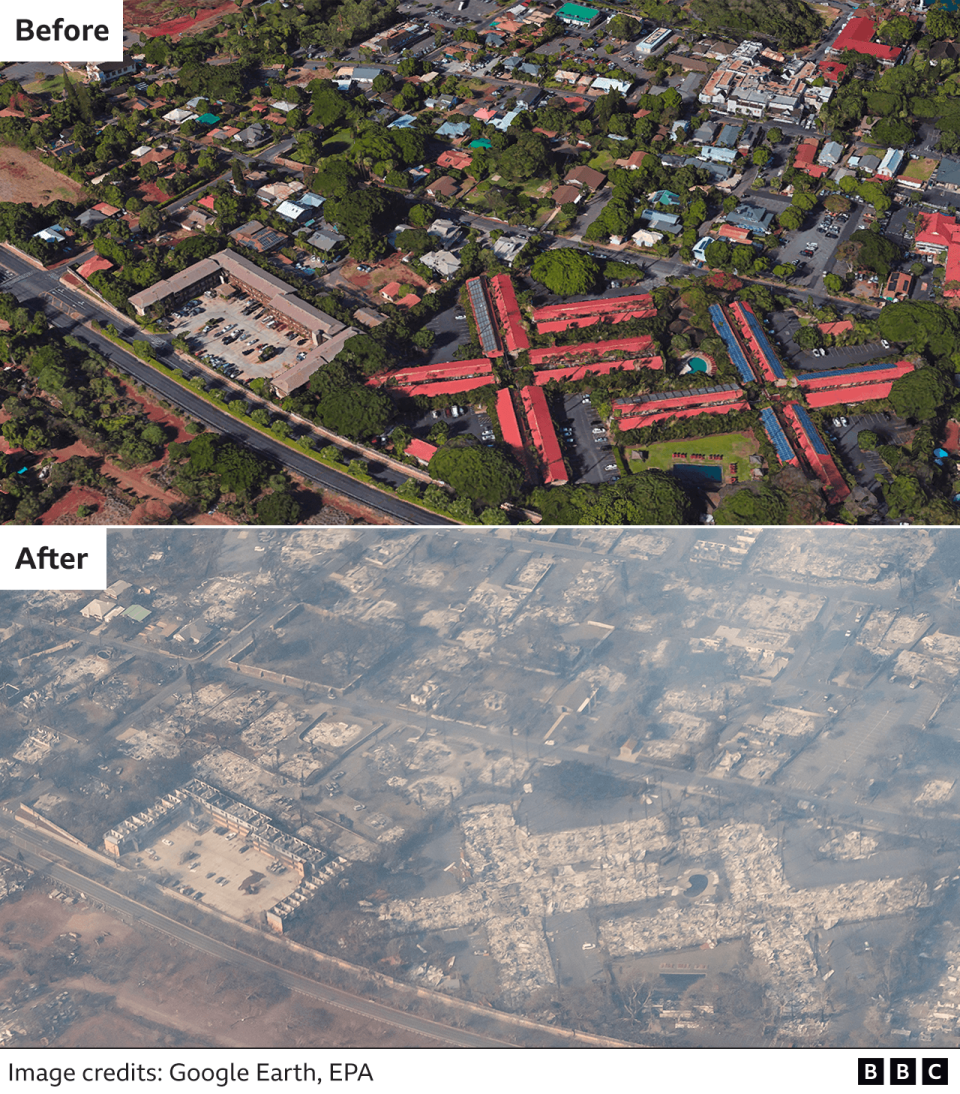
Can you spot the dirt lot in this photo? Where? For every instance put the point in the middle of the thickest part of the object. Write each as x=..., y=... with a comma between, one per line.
x=133, y=988
x=155, y=17
x=25, y=179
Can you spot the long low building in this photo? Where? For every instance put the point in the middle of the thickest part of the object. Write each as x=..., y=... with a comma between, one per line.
x=644, y=410
x=505, y=301
x=774, y=430
x=585, y=313
x=510, y=424
x=753, y=334
x=487, y=330
x=544, y=435
x=816, y=453
x=851, y=385
x=590, y=349
x=732, y=342
x=227, y=266
x=447, y=370
x=596, y=368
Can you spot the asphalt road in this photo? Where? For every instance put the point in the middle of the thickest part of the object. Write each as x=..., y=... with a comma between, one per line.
x=40, y=855
x=42, y=287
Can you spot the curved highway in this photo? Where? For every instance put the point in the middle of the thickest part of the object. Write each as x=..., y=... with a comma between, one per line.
x=34, y=855
x=62, y=305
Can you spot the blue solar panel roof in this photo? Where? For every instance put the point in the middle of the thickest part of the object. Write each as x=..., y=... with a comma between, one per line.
x=773, y=361
x=777, y=436
x=862, y=370
x=733, y=347
x=811, y=430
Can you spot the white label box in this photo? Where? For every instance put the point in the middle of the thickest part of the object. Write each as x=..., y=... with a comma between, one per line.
x=54, y=31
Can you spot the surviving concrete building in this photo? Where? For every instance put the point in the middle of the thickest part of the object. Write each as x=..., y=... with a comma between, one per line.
x=227, y=267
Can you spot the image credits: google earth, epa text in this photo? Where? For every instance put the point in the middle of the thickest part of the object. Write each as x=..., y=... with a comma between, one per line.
x=463, y=263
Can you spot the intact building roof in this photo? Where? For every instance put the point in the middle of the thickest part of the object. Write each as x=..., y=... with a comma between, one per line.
x=544, y=435
x=858, y=34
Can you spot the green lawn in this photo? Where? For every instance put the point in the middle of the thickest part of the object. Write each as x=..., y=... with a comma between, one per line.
x=734, y=447
x=602, y=161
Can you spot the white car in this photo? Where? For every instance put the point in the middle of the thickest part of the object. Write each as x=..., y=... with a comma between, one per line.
x=884, y=343
x=597, y=429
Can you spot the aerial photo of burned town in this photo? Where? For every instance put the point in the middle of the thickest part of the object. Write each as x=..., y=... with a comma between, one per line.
x=686, y=787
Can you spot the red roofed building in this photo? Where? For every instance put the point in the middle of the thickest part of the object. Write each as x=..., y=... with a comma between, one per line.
x=806, y=153
x=208, y=202
x=421, y=450
x=509, y=424
x=98, y=262
x=544, y=436
x=391, y=292
x=106, y=208
x=587, y=312
x=597, y=368
x=563, y=353
x=644, y=410
x=832, y=71
x=815, y=452
x=735, y=235
x=447, y=387
x=857, y=36
x=454, y=158
x=449, y=370
x=839, y=327
x=939, y=235
x=504, y=300
x=852, y=385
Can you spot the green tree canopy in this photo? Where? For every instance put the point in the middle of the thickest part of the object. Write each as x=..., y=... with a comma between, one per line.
x=768, y=505
x=567, y=272
x=920, y=394
x=484, y=475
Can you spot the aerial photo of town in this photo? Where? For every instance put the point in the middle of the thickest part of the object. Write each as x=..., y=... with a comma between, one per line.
x=661, y=787
x=366, y=262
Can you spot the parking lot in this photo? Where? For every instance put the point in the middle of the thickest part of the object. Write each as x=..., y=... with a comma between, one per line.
x=814, y=237
x=588, y=453
x=450, y=333
x=866, y=466
x=785, y=324
x=232, y=331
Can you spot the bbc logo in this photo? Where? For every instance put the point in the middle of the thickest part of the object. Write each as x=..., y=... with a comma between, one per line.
x=903, y=1072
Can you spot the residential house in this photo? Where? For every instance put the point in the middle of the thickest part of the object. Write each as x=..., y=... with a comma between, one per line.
x=891, y=163
x=658, y=221
x=898, y=286
x=447, y=232
x=830, y=154
x=754, y=217
x=445, y=263
x=443, y=188
x=585, y=177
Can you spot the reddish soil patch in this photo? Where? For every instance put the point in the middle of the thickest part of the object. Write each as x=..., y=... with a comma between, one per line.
x=151, y=194
x=951, y=437
x=144, y=16
x=68, y=504
x=24, y=179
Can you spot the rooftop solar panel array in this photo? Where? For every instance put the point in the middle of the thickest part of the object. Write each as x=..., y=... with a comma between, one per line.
x=816, y=441
x=756, y=329
x=860, y=370
x=722, y=328
x=489, y=341
x=777, y=436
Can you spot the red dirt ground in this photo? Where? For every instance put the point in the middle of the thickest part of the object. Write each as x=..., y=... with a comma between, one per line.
x=143, y=17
